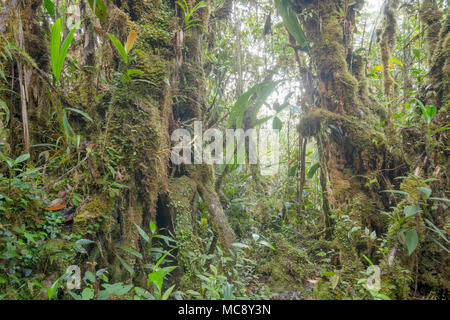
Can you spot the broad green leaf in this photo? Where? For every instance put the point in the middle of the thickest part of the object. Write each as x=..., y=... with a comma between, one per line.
x=276, y=123
x=89, y=276
x=75, y=296
x=21, y=158
x=292, y=171
x=166, y=270
x=291, y=22
x=426, y=191
x=80, y=243
x=379, y=296
x=87, y=294
x=117, y=289
x=50, y=7
x=412, y=239
x=156, y=277
x=397, y=61
x=313, y=170
x=431, y=111
x=100, y=9
x=152, y=226
x=411, y=210
x=120, y=48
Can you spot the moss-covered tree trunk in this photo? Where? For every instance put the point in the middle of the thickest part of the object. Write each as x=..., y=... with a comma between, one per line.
x=352, y=150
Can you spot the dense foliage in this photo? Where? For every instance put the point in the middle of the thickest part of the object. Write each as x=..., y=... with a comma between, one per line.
x=92, y=90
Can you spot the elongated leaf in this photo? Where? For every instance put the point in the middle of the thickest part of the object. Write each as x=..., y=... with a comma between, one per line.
x=21, y=158
x=438, y=243
x=131, y=72
x=313, y=170
x=167, y=293
x=130, y=41
x=80, y=243
x=239, y=245
x=440, y=199
x=185, y=10
x=84, y=114
x=133, y=252
x=396, y=191
x=161, y=259
x=126, y=265
x=262, y=120
x=291, y=22
x=267, y=244
x=68, y=131
x=65, y=48
x=199, y=5
x=264, y=92
x=4, y=106
x=120, y=48
x=100, y=9
x=166, y=270
x=55, y=45
x=152, y=227
x=52, y=290
x=142, y=233
x=437, y=230
x=262, y=89
x=397, y=61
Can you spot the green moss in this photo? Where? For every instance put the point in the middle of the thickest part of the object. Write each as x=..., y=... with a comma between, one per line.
x=287, y=267
x=181, y=203
x=322, y=290
x=89, y=214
